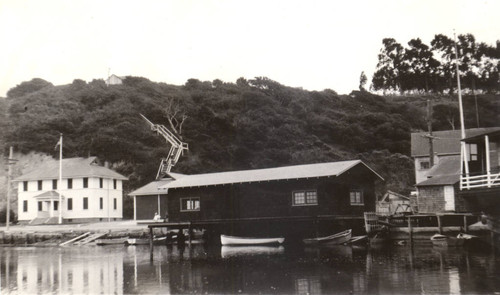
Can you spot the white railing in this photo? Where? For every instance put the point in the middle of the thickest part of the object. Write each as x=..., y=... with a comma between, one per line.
x=480, y=181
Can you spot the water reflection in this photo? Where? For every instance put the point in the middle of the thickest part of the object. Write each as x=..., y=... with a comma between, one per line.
x=234, y=251
x=223, y=270
x=60, y=270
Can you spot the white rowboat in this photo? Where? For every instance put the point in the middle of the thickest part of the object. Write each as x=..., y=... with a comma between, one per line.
x=232, y=240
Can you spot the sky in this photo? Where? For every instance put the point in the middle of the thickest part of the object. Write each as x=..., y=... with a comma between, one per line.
x=310, y=44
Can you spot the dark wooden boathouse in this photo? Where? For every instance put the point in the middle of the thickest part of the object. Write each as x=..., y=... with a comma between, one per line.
x=302, y=200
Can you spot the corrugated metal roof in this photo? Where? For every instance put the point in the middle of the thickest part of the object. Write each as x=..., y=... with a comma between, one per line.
x=71, y=168
x=447, y=142
x=280, y=173
x=152, y=188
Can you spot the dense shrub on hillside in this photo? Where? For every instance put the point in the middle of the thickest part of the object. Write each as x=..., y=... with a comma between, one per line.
x=254, y=123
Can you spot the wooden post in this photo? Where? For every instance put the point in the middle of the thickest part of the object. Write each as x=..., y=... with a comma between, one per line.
x=151, y=243
x=465, y=223
x=189, y=234
x=439, y=224
x=316, y=226
x=9, y=178
x=410, y=230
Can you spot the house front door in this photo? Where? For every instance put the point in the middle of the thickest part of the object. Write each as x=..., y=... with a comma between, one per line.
x=449, y=198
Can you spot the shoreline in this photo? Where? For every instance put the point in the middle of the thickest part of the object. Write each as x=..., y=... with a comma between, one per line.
x=55, y=234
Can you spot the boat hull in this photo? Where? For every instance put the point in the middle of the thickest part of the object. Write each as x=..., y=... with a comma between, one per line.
x=336, y=239
x=104, y=242
x=445, y=241
x=233, y=240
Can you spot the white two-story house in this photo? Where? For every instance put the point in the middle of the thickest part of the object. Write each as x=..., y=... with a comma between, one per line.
x=89, y=193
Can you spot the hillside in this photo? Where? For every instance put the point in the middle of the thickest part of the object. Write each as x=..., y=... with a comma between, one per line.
x=249, y=124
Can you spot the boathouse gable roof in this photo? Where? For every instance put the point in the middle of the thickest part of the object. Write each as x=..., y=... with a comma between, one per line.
x=71, y=168
x=268, y=174
x=447, y=172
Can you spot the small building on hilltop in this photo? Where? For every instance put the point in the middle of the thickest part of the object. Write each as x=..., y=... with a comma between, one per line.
x=114, y=80
x=89, y=193
x=327, y=190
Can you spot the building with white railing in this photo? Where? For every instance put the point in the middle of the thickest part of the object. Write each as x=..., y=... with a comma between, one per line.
x=480, y=177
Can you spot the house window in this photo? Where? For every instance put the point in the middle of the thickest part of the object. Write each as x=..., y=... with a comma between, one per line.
x=114, y=204
x=40, y=206
x=54, y=183
x=40, y=185
x=25, y=206
x=471, y=152
x=56, y=205
x=101, y=203
x=25, y=186
x=304, y=198
x=357, y=197
x=114, y=183
x=70, y=183
x=424, y=165
x=70, y=204
x=85, y=182
x=101, y=183
x=190, y=204
x=85, y=203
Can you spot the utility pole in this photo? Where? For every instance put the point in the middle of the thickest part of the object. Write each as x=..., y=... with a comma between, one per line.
x=431, y=138
x=10, y=162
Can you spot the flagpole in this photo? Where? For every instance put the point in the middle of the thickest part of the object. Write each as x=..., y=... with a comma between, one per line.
x=60, y=177
x=465, y=164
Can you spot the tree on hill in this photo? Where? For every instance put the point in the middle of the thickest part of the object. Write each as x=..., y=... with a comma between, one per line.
x=257, y=123
x=28, y=87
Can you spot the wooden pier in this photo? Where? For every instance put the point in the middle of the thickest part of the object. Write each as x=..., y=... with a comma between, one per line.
x=312, y=221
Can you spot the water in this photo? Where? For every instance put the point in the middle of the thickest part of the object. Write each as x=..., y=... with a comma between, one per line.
x=266, y=270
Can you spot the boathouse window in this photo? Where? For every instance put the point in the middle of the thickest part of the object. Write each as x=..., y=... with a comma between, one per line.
x=85, y=203
x=101, y=183
x=25, y=186
x=101, y=203
x=25, y=206
x=190, y=204
x=357, y=197
x=40, y=185
x=70, y=183
x=54, y=183
x=471, y=152
x=70, y=204
x=304, y=198
x=85, y=182
x=424, y=165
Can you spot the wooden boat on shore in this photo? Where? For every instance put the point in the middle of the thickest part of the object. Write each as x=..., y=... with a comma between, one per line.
x=104, y=242
x=144, y=241
x=336, y=239
x=358, y=240
x=233, y=240
x=446, y=241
